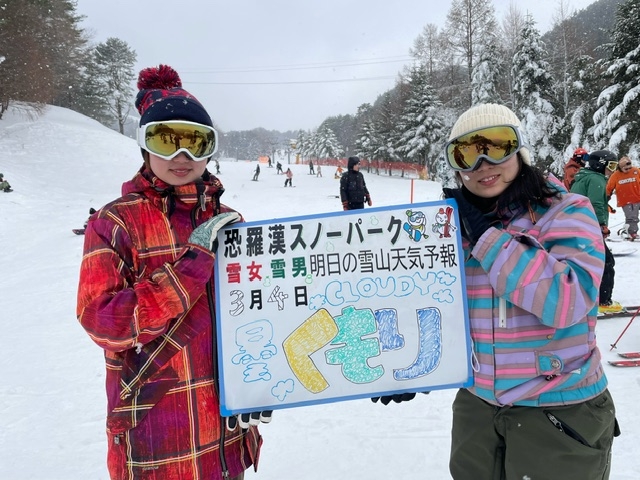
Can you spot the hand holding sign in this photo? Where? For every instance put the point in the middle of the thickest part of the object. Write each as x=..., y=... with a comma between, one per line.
x=245, y=420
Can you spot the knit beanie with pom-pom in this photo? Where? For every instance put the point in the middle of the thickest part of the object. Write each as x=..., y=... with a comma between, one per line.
x=488, y=115
x=161, y=97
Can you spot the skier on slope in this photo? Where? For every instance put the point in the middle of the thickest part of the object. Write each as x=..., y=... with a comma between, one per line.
x=625, y=182
x=591, y=181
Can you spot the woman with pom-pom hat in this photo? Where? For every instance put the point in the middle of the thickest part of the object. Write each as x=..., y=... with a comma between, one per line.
x=146, y=296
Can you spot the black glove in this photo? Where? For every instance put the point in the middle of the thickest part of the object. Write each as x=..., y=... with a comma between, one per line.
x=245, y=420
x=397, y=398
x=472, y=221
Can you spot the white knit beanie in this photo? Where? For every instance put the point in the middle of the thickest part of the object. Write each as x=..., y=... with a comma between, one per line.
x=488, y=115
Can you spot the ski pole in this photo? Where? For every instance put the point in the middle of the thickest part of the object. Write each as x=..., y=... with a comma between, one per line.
x=613, y=345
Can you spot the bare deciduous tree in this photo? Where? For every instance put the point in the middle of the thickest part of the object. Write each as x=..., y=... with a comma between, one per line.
x=470, y=23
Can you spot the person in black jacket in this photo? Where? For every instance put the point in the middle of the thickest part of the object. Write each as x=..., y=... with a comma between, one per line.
x=353, y=189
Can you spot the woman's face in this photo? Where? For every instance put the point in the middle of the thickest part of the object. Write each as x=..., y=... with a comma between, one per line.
x=489, y=180
x=180, y=170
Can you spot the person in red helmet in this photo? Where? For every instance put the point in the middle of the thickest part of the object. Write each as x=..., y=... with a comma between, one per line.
x=575, y=163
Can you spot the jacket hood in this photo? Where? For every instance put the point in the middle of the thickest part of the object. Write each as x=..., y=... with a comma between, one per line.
x=352, y=162
x=585, y=172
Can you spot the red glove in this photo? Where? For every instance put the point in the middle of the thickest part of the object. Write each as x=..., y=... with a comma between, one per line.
x=605, y=231
x=369, y=202
x=345, y=205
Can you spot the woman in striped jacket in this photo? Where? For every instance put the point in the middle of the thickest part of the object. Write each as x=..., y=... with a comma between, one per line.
x=534, y=255
x=146, y=297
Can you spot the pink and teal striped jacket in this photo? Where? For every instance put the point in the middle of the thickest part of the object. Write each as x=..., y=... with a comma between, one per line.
x=532, y=286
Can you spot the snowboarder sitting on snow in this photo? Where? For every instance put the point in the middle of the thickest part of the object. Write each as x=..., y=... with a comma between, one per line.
x=4, y=185
x=353, y=189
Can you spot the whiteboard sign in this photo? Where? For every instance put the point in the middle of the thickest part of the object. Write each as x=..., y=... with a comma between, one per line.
x=339, y=306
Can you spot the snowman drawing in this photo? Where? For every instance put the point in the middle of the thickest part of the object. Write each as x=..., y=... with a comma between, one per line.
x=442, y=225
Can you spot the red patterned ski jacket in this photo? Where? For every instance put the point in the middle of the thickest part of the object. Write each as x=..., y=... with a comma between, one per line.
x=146, y=297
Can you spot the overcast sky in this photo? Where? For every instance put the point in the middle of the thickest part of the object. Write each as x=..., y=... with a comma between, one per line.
x=281, y=65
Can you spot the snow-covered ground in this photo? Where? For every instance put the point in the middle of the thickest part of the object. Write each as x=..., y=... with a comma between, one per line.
x=52, y=400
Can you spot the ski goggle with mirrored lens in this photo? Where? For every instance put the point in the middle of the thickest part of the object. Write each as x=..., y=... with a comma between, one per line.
x=612, y=165
x=169, y=138
x=493, y=144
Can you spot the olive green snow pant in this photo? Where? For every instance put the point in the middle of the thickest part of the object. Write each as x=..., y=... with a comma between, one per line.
x=570, y=442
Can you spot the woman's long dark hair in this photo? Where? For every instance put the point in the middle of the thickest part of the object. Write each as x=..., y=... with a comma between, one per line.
x=529, y=188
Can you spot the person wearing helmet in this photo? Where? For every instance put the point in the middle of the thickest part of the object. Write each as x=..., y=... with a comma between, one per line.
x=573, y=165
x=591, y=182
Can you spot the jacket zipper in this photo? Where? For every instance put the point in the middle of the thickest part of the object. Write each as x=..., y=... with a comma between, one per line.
x=214, y=362
x=214, y=349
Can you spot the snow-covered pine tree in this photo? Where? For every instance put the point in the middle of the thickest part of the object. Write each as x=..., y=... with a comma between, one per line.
x=326, y=144
x=617, y=126
x=584, y=86
x=386, y=120
x=421, y=125
x=116, y=61
x=303, y=144
x=533, y=96
x=486, y=75
x=368, y=142
x=511, y=25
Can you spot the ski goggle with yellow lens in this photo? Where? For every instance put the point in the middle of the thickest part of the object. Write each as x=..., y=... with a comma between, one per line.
x=493, y=144
x=172, y=137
